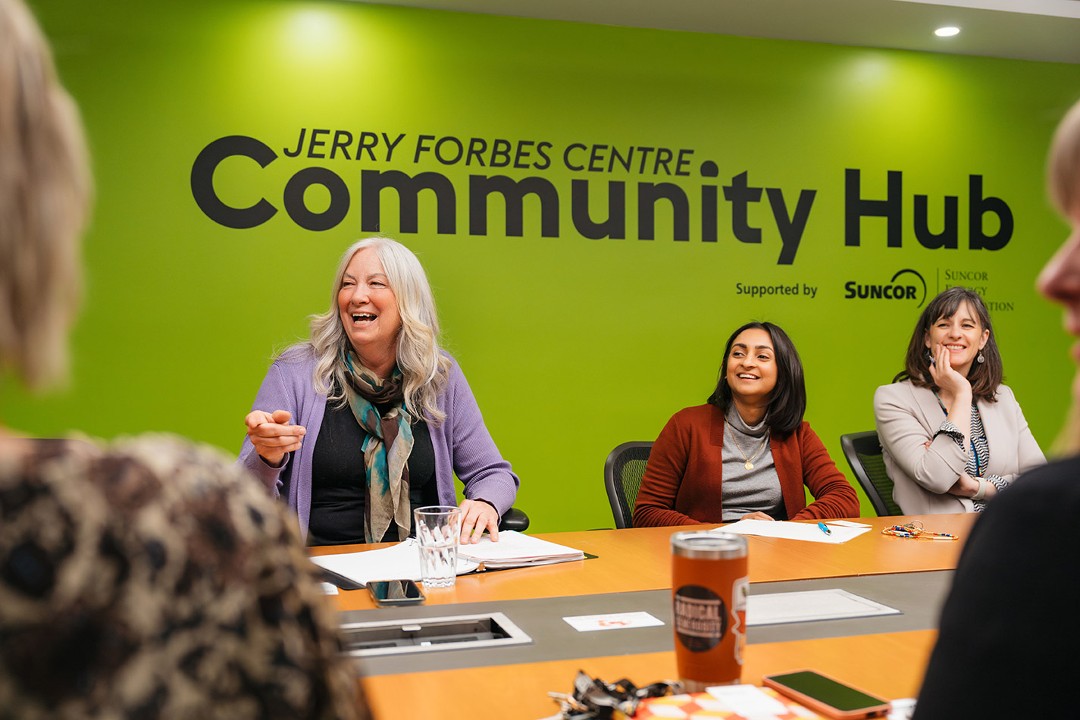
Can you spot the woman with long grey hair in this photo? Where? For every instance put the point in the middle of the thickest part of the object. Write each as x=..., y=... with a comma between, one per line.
x=370, y=418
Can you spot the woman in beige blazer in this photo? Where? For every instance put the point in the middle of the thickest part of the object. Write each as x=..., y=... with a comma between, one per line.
x=952, y=435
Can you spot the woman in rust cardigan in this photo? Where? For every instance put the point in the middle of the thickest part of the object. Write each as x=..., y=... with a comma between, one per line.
x=747, y=453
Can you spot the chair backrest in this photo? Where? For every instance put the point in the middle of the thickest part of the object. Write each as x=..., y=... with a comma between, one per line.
x=622, y=477
x=863, y=453
x=514, y=519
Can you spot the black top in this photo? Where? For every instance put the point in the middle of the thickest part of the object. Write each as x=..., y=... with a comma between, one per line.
x=338, y=491
x=1010, y=627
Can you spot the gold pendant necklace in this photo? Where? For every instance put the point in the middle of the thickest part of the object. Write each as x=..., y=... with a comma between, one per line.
x=748, y=462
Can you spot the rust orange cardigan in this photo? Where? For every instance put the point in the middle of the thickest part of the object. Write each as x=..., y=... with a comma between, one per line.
x=683, y=485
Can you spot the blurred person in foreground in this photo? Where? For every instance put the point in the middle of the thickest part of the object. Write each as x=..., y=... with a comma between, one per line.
x=370, y=419
x=149, y=579
x=1009, y=629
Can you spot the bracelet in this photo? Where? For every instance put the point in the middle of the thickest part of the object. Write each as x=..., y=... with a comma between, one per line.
x=982, y=491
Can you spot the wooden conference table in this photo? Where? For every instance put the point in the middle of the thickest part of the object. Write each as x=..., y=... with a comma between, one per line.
x=889, y=664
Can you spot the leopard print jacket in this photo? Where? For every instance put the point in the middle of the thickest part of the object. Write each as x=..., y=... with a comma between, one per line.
x=156, y=579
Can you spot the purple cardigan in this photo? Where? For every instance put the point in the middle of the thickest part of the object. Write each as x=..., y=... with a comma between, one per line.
x=462, y=443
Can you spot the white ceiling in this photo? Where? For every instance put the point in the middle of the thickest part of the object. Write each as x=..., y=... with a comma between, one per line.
x=1046, y=30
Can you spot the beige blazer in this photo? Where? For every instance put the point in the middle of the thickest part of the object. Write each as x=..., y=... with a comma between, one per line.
x=908, y=417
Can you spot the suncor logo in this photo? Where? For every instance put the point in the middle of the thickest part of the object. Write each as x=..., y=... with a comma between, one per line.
x=905, y=285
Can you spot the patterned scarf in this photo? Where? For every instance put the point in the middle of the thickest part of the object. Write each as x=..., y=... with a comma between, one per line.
x=386, y=448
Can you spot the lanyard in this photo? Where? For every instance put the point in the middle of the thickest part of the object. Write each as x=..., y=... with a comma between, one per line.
x=971, y=438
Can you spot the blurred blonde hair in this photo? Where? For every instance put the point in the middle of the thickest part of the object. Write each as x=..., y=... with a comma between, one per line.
x=422, y=363
x=1063, y=185
x=1063, y=167
x=44, y=201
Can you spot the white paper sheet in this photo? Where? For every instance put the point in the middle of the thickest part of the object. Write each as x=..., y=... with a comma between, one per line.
x=832, y=604
x=612, y=621
x=809, y=532
x=401, y=561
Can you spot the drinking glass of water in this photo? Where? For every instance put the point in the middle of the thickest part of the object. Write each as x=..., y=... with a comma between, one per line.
x=437, y=528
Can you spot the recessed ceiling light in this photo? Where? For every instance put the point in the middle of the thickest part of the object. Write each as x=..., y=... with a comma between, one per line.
x=947, y=31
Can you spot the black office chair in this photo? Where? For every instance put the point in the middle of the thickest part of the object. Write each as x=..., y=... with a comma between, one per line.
x=514, y=519
x=863, y=453
x=622, y=477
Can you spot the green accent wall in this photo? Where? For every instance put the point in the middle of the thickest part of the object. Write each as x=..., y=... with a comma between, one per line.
x=572, y=345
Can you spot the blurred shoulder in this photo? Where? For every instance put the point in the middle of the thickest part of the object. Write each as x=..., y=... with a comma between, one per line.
x=1039, y=508
x=1057, y=479
x=174, y=457
x=21, y=457
x=130, y=488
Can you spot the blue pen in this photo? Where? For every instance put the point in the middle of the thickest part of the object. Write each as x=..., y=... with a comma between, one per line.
x=824, y=528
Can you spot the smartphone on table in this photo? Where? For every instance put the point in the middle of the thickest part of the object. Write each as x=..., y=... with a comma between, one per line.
x=827, y=696
x=393, y=593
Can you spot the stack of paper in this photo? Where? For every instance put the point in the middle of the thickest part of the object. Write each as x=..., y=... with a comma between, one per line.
x=403, y=560
x=517, y=550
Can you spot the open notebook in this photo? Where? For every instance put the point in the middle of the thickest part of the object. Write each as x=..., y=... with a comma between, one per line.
x=517, y=550
x=403, y=560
